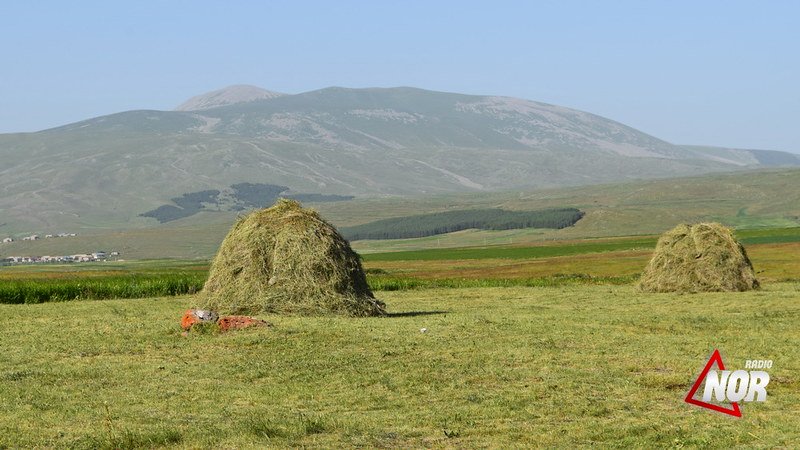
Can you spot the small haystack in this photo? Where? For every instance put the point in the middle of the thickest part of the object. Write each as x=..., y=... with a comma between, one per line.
x=286, y=259
x=705, y=257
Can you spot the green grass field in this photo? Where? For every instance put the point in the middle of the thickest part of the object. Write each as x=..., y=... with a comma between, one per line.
x=99, y=288
x=775, y=252
x=509, y=252
x=563, y=248
x=526, y=346
x=498, y=367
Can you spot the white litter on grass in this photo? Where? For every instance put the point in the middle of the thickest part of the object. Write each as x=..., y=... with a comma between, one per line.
x=423, y=330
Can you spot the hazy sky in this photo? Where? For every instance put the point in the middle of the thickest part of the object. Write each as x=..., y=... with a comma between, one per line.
x=701, y=72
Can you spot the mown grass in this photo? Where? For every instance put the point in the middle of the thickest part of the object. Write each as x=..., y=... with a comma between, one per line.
x=573, y=366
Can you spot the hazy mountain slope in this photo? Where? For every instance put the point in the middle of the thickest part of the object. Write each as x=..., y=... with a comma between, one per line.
x=103, y=172
x=749, y=157
x=745, y=199
x=230, y=95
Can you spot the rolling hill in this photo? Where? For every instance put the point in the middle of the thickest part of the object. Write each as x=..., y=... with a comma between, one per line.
x=747, y=200
x=104, y=173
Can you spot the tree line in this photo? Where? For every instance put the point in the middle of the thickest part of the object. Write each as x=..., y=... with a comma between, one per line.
x=450, y=221
x=242, y=195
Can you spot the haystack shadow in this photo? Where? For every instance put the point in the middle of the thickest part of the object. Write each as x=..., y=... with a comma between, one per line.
x=414, y=313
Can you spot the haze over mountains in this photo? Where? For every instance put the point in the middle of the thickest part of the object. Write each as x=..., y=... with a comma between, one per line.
x=104, y=172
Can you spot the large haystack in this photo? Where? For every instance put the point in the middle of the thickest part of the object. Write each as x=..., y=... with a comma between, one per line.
x=286, y=259
x=705, y=257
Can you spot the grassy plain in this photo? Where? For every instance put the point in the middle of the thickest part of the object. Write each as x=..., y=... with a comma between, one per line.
x=774, y=252
x=101, y=269
x=101, y=280
x=497, y=367
x=589, y=362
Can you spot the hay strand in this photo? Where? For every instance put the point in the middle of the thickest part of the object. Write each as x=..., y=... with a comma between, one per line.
x=704, y=257
x=287, y=259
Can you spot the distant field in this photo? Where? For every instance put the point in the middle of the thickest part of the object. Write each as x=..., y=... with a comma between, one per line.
x=746, y=200
x=101, y=269
x=509, y=252
x=773, y=262
x=762, y=236
x=573, y=366
x=774, y=252
x=432, y=224
x=769, y=235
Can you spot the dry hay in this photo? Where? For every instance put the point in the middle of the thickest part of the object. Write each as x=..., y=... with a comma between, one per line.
x=705, y=257
x=287, y=259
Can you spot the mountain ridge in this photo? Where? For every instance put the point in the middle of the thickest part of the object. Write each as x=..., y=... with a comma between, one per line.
x=106, y=171
x=230, y=95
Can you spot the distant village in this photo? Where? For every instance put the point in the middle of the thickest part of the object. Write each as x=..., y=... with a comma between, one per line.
x=35, y=237
x=81, y=257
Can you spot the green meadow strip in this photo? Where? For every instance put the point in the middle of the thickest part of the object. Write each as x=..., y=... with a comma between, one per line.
x=769, y=236
x=532, y=252
x=59, y=290
x=181, y=282
x=137, y=286
x=747, y=237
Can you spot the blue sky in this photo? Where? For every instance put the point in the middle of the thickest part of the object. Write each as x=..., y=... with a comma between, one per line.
x=691, y=72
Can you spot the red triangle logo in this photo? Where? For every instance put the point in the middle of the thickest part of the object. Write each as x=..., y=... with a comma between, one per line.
x=715, y=359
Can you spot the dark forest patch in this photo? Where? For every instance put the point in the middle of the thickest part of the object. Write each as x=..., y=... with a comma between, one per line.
x=239, y=197
x=451, y=221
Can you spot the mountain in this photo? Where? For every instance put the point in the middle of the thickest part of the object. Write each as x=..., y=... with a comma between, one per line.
x=107, y=171
x=763, y=158
x=231, y=95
